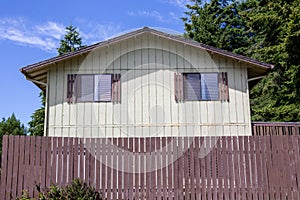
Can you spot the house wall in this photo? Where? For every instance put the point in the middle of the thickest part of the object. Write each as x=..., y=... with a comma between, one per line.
x=147, y=64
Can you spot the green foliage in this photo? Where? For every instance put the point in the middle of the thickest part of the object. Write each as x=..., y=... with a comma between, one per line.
x=25, y=196
x=268, y=31
x=76, y=190
x=217, y=23
x=11, y=126
x=36, y=125
x=71, y=41
x=277, y=28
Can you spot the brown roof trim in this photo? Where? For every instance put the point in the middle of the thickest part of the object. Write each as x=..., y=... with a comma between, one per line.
x=88, y=49
x=214, y=50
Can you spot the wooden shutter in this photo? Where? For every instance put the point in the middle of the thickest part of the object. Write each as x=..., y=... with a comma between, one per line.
x=178, y=87
x=209, y=86
x=116, y=88
x=223, y=86
x=85, y=88
x=102, y=89
x=69, y=89
x=71, y=78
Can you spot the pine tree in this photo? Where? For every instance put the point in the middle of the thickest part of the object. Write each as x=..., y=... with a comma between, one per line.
x=11, y=126
x=277, y=28
x=36, y=125
x=71, y=41
x=217, y=23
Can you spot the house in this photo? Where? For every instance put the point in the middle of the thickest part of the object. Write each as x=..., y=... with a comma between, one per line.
x=147, y=83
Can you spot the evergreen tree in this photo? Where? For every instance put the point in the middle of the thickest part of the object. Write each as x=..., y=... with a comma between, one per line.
x=217, y=23
x=71, y=41
x=277, y=27
x=10, y=126
x=36, y=125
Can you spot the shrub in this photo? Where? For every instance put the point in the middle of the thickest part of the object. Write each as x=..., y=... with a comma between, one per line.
x=76, y=190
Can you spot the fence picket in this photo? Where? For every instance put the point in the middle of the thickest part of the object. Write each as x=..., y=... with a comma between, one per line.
x=253, y=167
x=43, y=169
x=176, y=172
x=108, y=168
x=103, y=167
x=126, y=169
x=53, y=160
x=37, y=179
x=65, y=151
x=231, y=168
x=21, y=166
x=87, y=160
x=247, y=167
x=208, y=167
x=158, y=167
x=214, y=168
x=197, y=167
x=186, y=169
x=170, y=152
x=180, y=168
x=71, y=160
x=192, y=166
x=237, y=177
x=76, y=157
x=9, y=167
x=260, y=186
x=242, y=167
x=114, y=167
x=120, y=172
x=164, y=168
x=31, y=165
x=15, y=167
x=130, y=168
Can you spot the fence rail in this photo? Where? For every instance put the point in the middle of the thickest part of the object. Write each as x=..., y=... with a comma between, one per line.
x=275, y=128
x=256, y=167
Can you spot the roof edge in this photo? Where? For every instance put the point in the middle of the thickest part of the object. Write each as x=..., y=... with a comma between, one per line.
x=137, y=32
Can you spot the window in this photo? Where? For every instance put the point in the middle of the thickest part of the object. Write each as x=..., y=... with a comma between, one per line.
x=201, y=86
x=94, y=88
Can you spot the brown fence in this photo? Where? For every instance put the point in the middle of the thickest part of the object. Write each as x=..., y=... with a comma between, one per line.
x=257, y=167
x=275, y=128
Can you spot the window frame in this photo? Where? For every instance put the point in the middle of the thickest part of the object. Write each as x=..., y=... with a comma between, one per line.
x=184, y=74
x=73, y=88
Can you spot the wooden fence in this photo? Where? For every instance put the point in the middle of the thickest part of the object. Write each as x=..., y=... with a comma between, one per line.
x=256, y=167
x=275, y=128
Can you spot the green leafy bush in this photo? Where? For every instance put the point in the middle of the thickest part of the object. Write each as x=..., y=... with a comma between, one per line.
x=76, y=190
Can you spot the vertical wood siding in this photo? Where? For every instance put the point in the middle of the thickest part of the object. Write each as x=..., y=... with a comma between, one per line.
x=148, y=108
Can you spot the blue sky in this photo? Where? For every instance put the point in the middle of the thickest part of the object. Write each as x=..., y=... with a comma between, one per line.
x=30, y=32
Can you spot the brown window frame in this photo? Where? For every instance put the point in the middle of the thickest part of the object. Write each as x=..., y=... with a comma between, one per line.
x=181, y=87
x=74, y=88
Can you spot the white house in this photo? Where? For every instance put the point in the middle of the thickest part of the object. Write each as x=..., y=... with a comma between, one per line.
x=147, y=83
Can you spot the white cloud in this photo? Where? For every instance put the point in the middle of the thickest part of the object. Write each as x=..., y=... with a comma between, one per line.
x=175, y=17
x=145, y=13
x=93, y=32
x=17, y=31
x=46, y=36
x=178, y=3
x=51, y=29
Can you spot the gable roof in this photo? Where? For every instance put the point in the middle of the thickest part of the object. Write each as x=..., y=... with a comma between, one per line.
x=38, y=72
